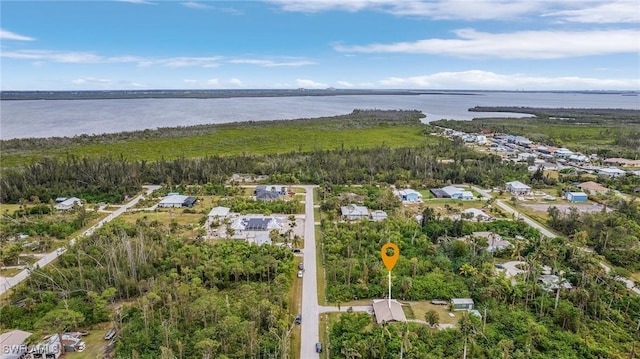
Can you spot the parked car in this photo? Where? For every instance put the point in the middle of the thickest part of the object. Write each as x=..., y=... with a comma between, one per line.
x=318, y=348
x=110, y=334
x=298, y=319
x=301, y=266
x=299, y=274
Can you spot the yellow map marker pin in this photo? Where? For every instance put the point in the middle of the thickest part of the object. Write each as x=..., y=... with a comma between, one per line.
x=390, y=261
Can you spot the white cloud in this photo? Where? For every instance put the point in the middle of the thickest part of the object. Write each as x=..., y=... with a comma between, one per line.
x=271, y=63
x=310, y=84
x=8, y=35
x=236, y=82
x=484, y=80
x=196, y=5
x=522, y=44
x=213, y=82
x=90, y=80
x=443, y=9
x=190, y=81
x=345, y=84
x=584, y=11
x=620, y=11
x=91, y=58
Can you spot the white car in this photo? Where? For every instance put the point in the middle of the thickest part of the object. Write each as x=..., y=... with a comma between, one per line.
x=299, y=274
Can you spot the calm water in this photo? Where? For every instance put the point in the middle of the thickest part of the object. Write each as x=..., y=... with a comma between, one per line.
x=20, y=119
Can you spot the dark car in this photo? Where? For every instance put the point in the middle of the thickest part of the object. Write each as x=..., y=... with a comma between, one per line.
x=300, y=266
x=298, y=319
x=318, y=348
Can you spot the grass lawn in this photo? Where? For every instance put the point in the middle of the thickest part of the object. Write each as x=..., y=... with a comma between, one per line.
x=326, y=322
x=9, y=272
x=295, y=300
x=320, y=275
x=420, y=309
x=95, y=343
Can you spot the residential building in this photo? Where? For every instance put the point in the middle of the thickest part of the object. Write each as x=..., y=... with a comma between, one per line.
x=462, y=303
x=451, y=192
x=388, y=310
x=281, y=190
x=475, y=214
x=517, y=188
x=354, y=212
x=563, y=153
x=611, y=172
x=378, y=215
x=409, y=195
x=593, y=187
x=68, y=204
x=622, y=162
x=494, y=240
x=176, y=201
x=218, y=213
x=551, y=282
x=12, y=344
x=256, y=223
x=576, y=196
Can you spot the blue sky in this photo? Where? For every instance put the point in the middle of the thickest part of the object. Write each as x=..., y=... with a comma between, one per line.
x=368, y=44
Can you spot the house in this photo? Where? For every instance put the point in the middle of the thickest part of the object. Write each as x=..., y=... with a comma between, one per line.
x=622, y=162
x=563, y=153
x=494, y=241
x=388, y=310
x=611, y=172
x=578, y=158
x=517, y=188
x=61, y=199
x=409, y=195
x=256, y=223
x=280, y=190
x=12, y=344
x=177, y=200
x=354, y=212
x=267, y=196
x=378, y=215
x=476, y=215
x=551, y=282
x=593, y=187
x=218, y=213
x=524, y=156
x=451, y=192
x=462, y=303
x=576, y=196
x=68, y=204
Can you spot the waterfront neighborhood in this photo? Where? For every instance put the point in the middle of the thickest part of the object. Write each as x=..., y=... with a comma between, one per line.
x=494, y=234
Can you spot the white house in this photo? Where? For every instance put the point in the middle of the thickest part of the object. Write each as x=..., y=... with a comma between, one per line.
x=576, y=196
x=409, y=195
x=68, y=204
x=378, y=215
x=611, y=172
x=218, y=213
x=354, y=212
x=518, y=188
x=176, y=200
x=477, y=215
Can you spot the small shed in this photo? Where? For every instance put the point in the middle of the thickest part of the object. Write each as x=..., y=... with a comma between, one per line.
x=576, y=196
x=462, y=303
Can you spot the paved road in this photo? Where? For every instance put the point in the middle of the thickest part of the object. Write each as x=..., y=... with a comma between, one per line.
x=10, y=282
x=532, y=223
x=355, y=308
x=550, y=234
x=310, y=325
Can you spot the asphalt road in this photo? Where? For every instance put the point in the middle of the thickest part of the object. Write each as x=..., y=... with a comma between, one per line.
x=7, y=283
x=310, y=326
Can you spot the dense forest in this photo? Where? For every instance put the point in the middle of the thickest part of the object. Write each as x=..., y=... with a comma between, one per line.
x=597, y=318
x=111, y=179
x=167, y=296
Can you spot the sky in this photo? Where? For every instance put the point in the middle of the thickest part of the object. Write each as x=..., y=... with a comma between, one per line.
x=347, y=44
